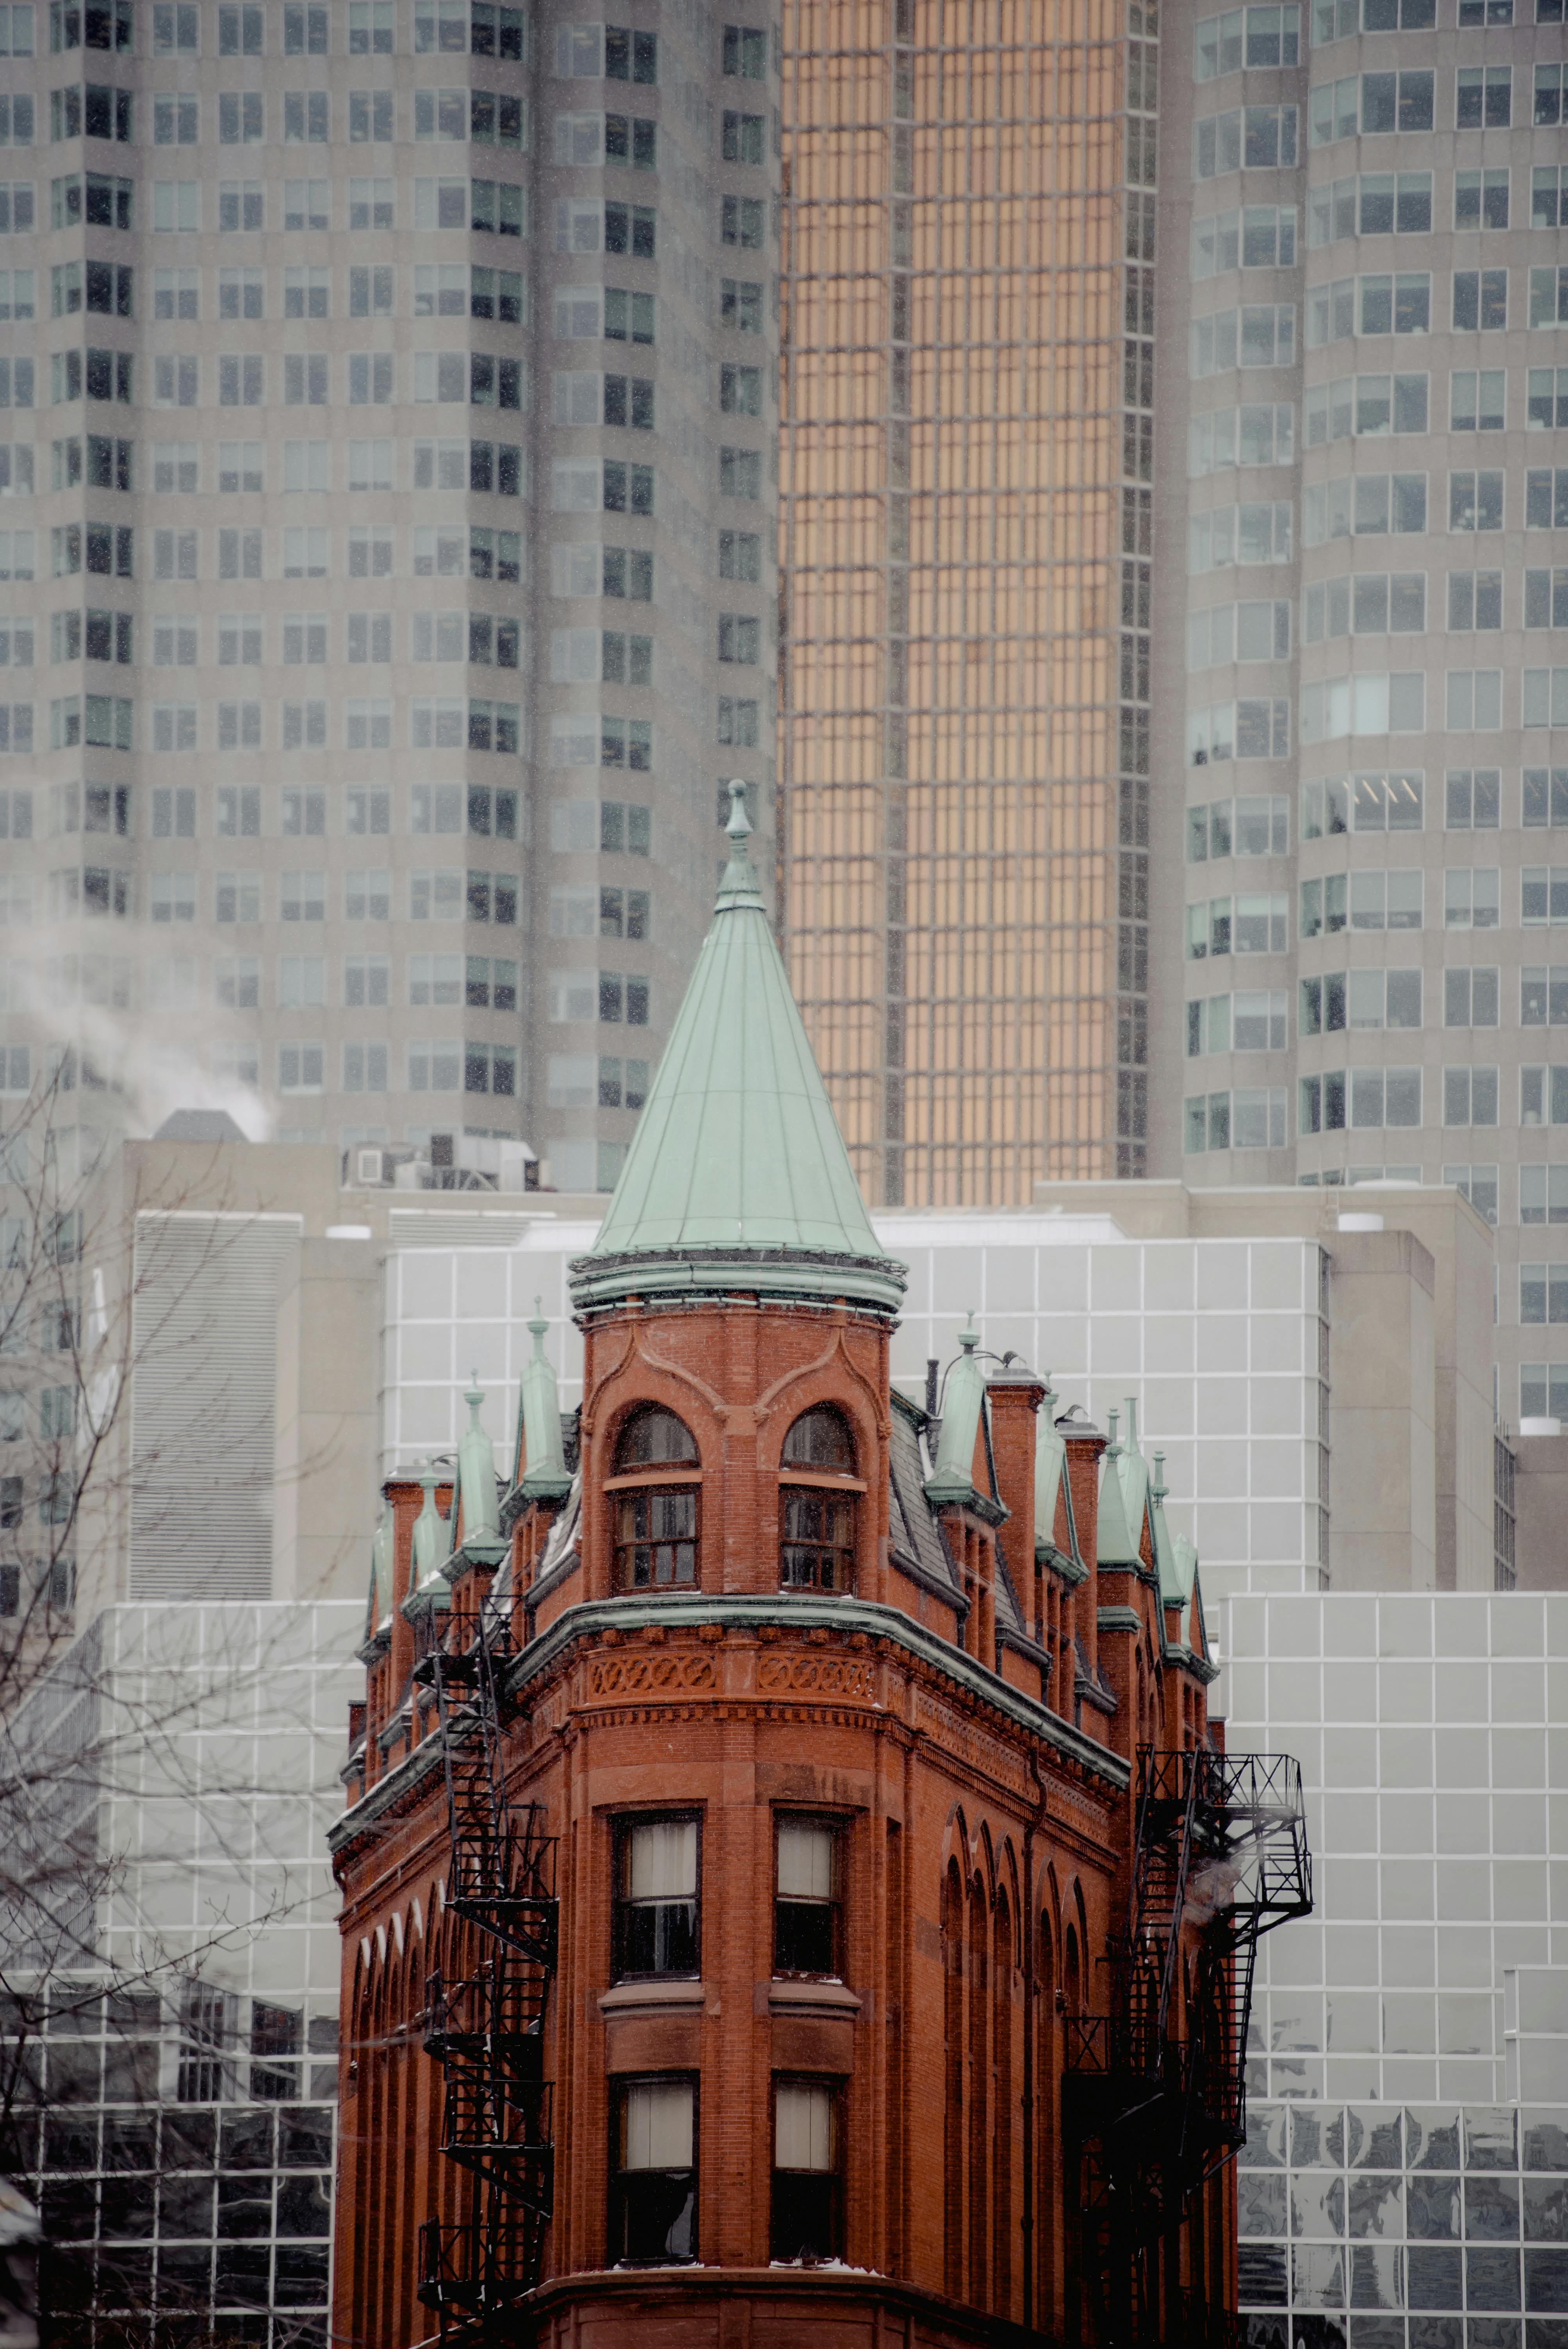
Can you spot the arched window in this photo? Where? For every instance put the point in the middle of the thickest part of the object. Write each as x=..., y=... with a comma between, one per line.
x=655, y=1438
x=817, y=1523
x=820, y=1439
x=657, y=1525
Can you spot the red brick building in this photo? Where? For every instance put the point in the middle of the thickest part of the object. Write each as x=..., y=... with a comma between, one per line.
x=790, y=1876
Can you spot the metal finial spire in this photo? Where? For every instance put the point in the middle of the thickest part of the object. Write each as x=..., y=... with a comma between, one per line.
x=739, y=824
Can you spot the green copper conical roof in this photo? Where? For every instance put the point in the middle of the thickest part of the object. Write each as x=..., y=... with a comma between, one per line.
x=738, y=1176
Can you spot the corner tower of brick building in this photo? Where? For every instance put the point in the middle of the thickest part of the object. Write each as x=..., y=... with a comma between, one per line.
x=750, y=1797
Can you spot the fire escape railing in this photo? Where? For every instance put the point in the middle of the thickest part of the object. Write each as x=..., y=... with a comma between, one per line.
x=1157, y=2087
x=487, y=2029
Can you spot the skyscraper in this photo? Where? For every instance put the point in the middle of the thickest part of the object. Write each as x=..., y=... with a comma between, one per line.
x=966, y=455
x=389, y=391
x=1360, y=500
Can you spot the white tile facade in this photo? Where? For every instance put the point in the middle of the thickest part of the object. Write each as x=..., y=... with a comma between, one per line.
x=1215, y=1339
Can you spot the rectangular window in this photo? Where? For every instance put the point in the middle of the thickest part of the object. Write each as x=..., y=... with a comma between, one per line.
x=653, y=2181
x=300, y=1068
x=306, y=118
x=656, y=1923
x=1483, y=97
x=1543, y=1197
x=741, y=138
x=1481, y=299
x=1473, y=798
x=1546, y=498
x=806, y=1915
x=307, y=204
x=807, y=2217
x=1475, y=500
x=1549, y=298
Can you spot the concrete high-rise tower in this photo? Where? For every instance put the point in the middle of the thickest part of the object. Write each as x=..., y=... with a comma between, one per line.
x=387, y=549
x=1361, y=503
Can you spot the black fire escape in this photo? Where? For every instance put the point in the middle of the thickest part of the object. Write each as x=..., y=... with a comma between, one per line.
x=1155, y=2094
x=486, y=2029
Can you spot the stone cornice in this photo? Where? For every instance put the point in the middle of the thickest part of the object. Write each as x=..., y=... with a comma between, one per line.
x=792, y=1611
x=779, y=1611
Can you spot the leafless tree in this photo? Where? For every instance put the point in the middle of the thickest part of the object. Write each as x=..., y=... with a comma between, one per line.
x=152, y=1836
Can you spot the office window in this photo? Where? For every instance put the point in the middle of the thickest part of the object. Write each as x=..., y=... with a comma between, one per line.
x=1477, y=399
x=242, y=205
x=1474, y=699
x=364, y=1068
x=1546, y=498
x=307, y=204
x=1469, y=1096
x=1481, y=299
x=175, y=29
x=435, y=1067
x=371, y=203
x=370, y=117
x=746, y=52
x=302, y=897
x=1549, y=298
x=1473, y=798
x=1475, y=600
x=1546, y=599
x=176, y=123
x=1551, y=84
x=300, y=1068
x=305, y=29
x=743, y=221
x=740, y=137
x=237, y=898
x=1471, y=898
x=302, y=983
x=1543, y=1197
x=237, y=982
x=1483, y=97
x=1549, y=195
x=239, y=117
x=1475, y=500
x=306, y=118
x=1480, y=198
x=1470, y=999
x=1478, y=1186
x=740, y=305
x=238, y=811
x=307, y=292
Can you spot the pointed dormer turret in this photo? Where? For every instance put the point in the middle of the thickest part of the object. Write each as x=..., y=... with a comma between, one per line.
x=1115, y=1540
x=381, y=1570
x=545, y=1476
x=1050, y=1465
x=952, y=1477
x=738, y=1177
x=432, y=1534
x=476, y=1475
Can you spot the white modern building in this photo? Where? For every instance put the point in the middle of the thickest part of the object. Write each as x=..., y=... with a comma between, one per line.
x=169, y=1963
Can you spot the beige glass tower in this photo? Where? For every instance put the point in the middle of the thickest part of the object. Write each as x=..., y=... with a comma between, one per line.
x=386, y=558
x=965, y=519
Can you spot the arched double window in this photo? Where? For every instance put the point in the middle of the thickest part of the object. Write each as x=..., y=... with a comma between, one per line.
x=817, y=1503
x=656, y=1519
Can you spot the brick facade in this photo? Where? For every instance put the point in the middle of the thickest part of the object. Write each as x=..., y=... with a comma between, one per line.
x=971, y=1738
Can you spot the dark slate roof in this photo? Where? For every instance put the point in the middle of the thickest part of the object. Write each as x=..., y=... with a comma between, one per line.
x=915, y=1533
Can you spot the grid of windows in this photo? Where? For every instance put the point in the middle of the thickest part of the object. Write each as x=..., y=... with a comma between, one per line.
x=907, y=731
